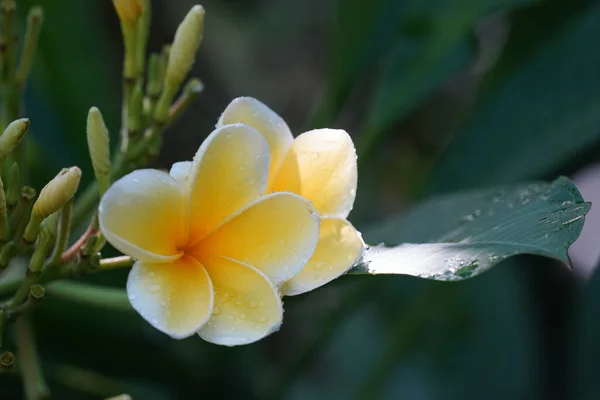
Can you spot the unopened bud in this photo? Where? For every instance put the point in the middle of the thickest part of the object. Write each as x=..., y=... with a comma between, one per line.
x=57, y=192
x=12, y=136
x=156, y=72
x=185, y=45
x=13, y=184
x=128, y=10
x=98, y=145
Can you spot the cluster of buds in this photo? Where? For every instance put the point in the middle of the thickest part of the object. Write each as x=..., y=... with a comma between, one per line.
x=149, y=108
x=28, y=222
x=40, y=226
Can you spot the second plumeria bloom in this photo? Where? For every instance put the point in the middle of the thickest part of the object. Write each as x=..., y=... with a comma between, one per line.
x=319, y=165
x=212, y=248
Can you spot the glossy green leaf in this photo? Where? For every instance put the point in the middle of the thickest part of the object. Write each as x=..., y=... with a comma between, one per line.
x=540, y=106
x=459, y=236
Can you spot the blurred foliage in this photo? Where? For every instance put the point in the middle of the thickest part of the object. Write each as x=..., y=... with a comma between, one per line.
x=439, y=96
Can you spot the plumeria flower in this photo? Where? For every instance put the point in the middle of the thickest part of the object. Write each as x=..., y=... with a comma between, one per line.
x=211, y=246
x=319, y=165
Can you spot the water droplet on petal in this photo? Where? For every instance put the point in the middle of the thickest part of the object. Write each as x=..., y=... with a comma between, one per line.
x=243, y=316
x=153, y=288
x=216, y=310
x=320, y=265
x=253, y=304
x=239, y=303
x=314, y=156
x=281, y=242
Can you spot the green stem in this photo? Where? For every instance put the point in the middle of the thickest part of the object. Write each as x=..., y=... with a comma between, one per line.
x=10, y=52
x=34, y=24
x=90, y=295
x=19, y=217
x=191, y=91
x=11, y=101
x=36, y=293
x=36, y=263
x=64, y=228
x=33, y=379
x=85, y=203
x=116, y=262
x=30, y=279
x=6, y=254
x=128, y=85
x=9, y=286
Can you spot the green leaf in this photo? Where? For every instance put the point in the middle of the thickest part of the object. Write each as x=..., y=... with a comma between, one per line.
x=411, y=72
x=540, y=105
x=410, y=47
x=459, y=236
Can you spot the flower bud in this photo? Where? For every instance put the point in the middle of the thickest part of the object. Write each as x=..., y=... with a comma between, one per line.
x=57, y=192
x=98, y=145
x=185, y=45
x=128, y=10
x=13, y=183
x=12, y=136
x=156, y=72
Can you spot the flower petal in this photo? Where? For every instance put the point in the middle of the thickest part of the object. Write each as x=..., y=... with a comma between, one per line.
x=252, y=112
x=247, y=305
x=176, y=297
x=340, y=247
x=277, y=234
x=229, y=171
x=143, y=216
x=321, y=167
x=180, y=171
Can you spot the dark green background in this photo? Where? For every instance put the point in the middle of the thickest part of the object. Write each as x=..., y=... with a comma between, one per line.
x=439, y=96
